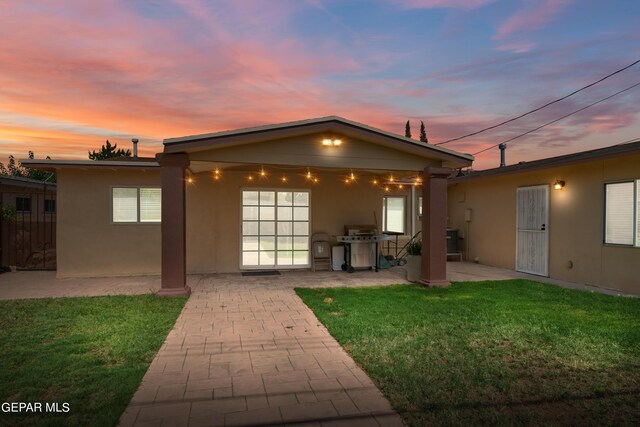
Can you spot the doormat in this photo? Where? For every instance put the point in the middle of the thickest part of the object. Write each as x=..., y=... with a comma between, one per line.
x=261, y=273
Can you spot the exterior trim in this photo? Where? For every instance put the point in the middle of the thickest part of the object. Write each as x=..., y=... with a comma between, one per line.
x=327, y=124
x=52, y=165
x=568, y=159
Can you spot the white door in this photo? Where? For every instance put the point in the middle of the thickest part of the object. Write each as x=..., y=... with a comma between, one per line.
x=532, y=230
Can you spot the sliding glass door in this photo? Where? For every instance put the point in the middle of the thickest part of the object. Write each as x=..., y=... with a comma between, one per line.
x=275, y=229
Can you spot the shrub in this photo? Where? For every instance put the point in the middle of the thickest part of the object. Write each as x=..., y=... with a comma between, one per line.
x=414, y=247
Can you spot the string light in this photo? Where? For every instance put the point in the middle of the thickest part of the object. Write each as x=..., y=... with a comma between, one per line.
x=190, y=179
x=387, y=185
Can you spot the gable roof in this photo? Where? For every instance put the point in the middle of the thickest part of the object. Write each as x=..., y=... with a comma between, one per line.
x=336, y=124
x=567, y=159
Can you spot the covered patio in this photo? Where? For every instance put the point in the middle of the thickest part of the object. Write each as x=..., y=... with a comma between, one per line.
x=252, y=198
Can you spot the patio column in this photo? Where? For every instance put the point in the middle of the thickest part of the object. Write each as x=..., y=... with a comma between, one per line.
x=434, y=226
x=174, y=272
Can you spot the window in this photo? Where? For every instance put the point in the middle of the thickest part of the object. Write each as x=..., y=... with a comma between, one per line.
x=622, y=213
x=23, y=204
x=275, y=229
x=49, y=206
x=133, y=204
x=393, y=214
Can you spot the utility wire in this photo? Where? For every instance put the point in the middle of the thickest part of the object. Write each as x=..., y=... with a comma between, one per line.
x=558, y=119
x=540, y=108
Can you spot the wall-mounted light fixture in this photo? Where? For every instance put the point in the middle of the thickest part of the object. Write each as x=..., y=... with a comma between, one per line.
x=329, y=142
x=559, y=185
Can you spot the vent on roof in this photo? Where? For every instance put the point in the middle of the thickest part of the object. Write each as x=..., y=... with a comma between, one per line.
x=503, y=148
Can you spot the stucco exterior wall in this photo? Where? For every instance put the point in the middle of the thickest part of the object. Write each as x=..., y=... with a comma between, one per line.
x=575, y=221
x=213, y=213
x=88, y=244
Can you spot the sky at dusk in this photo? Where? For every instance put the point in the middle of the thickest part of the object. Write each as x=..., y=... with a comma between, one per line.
x=74, y=73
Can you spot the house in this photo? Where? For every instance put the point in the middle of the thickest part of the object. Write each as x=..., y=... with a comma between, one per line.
x=27, y=223
x=574, y=217
x=246, y=199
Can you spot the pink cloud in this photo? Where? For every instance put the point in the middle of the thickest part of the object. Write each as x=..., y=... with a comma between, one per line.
x=532, y=17
x=517, y=47
x=444, y=4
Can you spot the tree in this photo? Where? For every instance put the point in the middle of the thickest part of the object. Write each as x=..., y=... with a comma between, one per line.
x=107, y=151
x=423, y=133
x=15, y=168
x=407, y=129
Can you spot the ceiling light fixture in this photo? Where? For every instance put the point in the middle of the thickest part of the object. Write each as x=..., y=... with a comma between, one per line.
x=328, y=142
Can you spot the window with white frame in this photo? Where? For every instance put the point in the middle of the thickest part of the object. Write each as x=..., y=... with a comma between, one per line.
x=394, y=214
x=622, y=213
x=275, y=229
x=136, y=204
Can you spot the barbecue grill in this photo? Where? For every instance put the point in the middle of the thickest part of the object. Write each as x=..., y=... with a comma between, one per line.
x=361, y=247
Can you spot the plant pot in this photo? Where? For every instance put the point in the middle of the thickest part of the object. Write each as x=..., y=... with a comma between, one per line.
x=414, y=267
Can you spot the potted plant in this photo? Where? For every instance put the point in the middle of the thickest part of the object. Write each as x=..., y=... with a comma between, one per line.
x=414, y=260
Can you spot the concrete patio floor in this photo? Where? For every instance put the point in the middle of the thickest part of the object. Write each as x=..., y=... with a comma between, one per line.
x=43, y=284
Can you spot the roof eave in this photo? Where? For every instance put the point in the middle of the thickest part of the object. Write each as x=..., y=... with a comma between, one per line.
x=552, y=162
x=53, y=165
x=244, y=136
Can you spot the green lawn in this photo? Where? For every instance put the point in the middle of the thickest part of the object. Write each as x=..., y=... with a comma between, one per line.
x=508, y=352
x=88, y=352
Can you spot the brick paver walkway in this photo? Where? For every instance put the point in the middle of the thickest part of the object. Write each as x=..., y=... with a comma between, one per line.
x=247, y=351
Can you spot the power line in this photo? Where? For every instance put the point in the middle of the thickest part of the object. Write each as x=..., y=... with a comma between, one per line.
x=558, y=119
x=539, y=108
